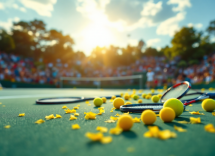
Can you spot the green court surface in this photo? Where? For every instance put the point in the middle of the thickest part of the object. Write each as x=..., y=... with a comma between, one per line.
x=55, y=137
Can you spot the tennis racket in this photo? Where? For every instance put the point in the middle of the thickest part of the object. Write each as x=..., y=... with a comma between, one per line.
x=177, y=91
x=63, y=100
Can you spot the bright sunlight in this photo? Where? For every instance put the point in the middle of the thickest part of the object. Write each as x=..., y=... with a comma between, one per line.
x=97, y=35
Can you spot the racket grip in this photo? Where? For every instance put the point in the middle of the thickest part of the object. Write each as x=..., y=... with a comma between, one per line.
x=211, y=95
x=187, y=103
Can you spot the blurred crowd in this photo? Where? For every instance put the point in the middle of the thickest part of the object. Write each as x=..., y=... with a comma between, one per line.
x=159, y=71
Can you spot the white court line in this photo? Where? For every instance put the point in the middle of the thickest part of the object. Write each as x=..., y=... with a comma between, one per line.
x=30, y=96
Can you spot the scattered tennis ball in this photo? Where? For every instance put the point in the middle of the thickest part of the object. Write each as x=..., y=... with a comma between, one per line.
x=125, y=122
x=152, y=90
x=126, y=96
x=167, y=114
x=104, y=99
x=159, y=95
x=140, y=101
x=113, y=97
x=98, y=102
x=210, y=89
x=155, y=98
x=128, y=103
x=176, y=105
x=118, y=102
x=135, y=97
x=148, y=117
x=148, y=96
x=121, y=94
x=208, y=105
x=203, y=89
x=144, y=95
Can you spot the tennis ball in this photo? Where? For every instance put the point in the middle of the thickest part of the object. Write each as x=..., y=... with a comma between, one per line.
x=98, y=102
x=121, y=94
x=140, y=101
x=113, y=97
x=208, y=105
x=104, y=99
x=152, y=90
x=148, y=117
x=135, y=97
x=126, y=96
x=148, y=96
x=144, y=95
x=128, y=103
x=155, y=98
x=203, y=89
x=159, y=95
x=118, y=102
x=167, y=114
x=176, y=105
x=125, y=122
x=210, y=89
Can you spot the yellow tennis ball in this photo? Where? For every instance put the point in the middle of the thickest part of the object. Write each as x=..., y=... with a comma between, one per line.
x=98, y=102
x=128, y=103
x=155, y=98
x=152, y=90
x=113, y=97
x=159, y=95
x=121, y=94
x=203, y=89
x=148, y=117
x=208, y=105
x=210, y=89
x=167, y=114
x=104, y=99
x=118, y=102
x=125, y=122
x=140, y=101
x=176, y=105
x=144, y=95
x=148, y=96
x=126, y=96
x=135, y=97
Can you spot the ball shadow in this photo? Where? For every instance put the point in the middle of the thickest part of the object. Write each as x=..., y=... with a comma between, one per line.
x=129, y=134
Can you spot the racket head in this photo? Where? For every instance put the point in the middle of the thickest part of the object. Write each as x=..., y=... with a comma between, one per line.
x=139, y=108
x=60, y=100
x=177, y=91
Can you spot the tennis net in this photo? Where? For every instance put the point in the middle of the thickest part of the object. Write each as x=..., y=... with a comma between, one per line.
x=102, y=81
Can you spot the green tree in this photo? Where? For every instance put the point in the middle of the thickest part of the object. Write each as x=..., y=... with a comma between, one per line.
x=6, y=41
x=151, y=52
x=211, y=28
x=27, y=37
x=58, y=46
x=185, y=44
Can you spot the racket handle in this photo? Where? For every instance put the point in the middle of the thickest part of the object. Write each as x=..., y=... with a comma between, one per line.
x=189, y=102
x=211, y=95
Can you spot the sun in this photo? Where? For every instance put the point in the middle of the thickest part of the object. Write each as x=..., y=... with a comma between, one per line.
x=97, y=35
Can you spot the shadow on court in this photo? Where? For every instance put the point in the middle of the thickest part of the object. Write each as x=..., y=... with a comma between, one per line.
x=129, y=134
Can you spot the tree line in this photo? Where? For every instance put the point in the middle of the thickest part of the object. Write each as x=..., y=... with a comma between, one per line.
x=32, y=39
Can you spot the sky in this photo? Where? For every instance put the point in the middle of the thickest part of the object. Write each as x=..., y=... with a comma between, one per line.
x=94, y=23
